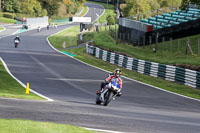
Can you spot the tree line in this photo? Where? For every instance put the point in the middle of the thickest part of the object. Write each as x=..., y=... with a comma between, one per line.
x=51, y=7
x=40, y=7
x=132, y=7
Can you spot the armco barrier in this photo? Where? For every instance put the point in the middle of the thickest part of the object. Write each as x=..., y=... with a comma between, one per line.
x=184, y=76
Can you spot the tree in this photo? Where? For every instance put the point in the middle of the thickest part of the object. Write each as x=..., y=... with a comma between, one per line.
x=32, y=7
x=185, y=3
x=110, y=20
x=51, y=6
x=11, y=6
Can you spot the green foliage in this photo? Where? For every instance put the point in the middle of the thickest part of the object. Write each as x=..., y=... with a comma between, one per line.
x=111, y=20
x=11, y=6
x=133, y=7
x=40, y=7
x=185, y=3
x=8, y=15
x=32, y=7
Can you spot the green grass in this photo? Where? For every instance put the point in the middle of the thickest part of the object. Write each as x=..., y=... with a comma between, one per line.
x=25, y=126
x=100, y=40
x=70, y=37
x=10, y=88
x=7, y=20
x=108, y=11
x=144, y=53
x=85, y=9
x=1, y=28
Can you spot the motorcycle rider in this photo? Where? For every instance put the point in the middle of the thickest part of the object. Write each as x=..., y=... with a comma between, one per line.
x=39, y=28
x=117, y=75
x=16, y=39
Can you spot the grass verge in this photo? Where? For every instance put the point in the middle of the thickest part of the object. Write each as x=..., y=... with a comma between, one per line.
x=10, y=88
x=83, y=56
x=1, y=28
x=68, y=36
x=7, y=20
x=144, y=53
x=25, y=126
x=85, y=9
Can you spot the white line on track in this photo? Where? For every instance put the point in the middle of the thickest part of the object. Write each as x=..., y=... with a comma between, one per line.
x=106, y=131
x=22, y=84
x=78, y=80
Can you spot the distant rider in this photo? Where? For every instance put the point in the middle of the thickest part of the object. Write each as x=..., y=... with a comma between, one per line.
x=17, y=38
x=117, y=75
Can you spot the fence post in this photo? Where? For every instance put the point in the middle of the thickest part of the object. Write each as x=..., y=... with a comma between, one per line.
x=199, y=46
x=124, y=37
x=171, y=43
x=150, y=41
x=144, y=42
x=128, y=38
x=178, y=45
x=120, y=36
x=163, y=40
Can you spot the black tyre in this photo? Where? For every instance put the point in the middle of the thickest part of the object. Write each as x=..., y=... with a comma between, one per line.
x=108, y=97
x=15, y=45
x=97, y=100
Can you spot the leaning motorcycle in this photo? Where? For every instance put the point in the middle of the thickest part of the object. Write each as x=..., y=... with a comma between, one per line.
x=109, y=92
x=16, y=43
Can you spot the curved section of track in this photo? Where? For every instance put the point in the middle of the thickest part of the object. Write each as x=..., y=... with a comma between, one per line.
x=73, y=84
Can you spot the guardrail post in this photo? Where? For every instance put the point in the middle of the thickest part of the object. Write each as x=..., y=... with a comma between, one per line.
x=199, y=46
x=163, y=43
x=128, y=39
x=144, y=42
x=178, y=44
x=150, y=41
x=171, y=43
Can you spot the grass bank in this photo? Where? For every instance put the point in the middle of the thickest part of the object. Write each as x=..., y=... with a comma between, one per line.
x=10, y=88
x=144, y=53
x=101, y=41
x=25, y=126
x=68, y=36
x=85, y=9
x=7, y=20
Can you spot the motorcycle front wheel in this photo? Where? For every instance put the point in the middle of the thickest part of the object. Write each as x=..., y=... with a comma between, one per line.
x=98, y=101
x=108, y=97
x=16, y=45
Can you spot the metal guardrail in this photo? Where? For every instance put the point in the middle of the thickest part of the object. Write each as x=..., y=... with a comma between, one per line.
x=171, y=73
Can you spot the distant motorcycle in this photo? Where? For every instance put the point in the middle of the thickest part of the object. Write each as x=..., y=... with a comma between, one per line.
x=38, y=29
x=109, y=92
x=16, y=43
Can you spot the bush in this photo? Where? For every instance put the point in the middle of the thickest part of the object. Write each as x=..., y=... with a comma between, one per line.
x=8, y=15
x=1, y=14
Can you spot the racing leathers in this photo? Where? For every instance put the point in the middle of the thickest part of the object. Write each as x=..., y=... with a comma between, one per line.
x=107, y=81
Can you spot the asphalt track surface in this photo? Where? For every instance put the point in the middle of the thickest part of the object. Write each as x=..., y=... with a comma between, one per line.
x=72, y=85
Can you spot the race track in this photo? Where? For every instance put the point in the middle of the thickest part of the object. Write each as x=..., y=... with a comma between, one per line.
x=72, y=85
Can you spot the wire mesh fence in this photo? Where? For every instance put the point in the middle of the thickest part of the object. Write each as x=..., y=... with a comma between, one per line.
x=188, y=46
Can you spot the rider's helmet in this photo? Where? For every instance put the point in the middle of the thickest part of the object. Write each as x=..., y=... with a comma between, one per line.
x=117, y=72
x=17, y=36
